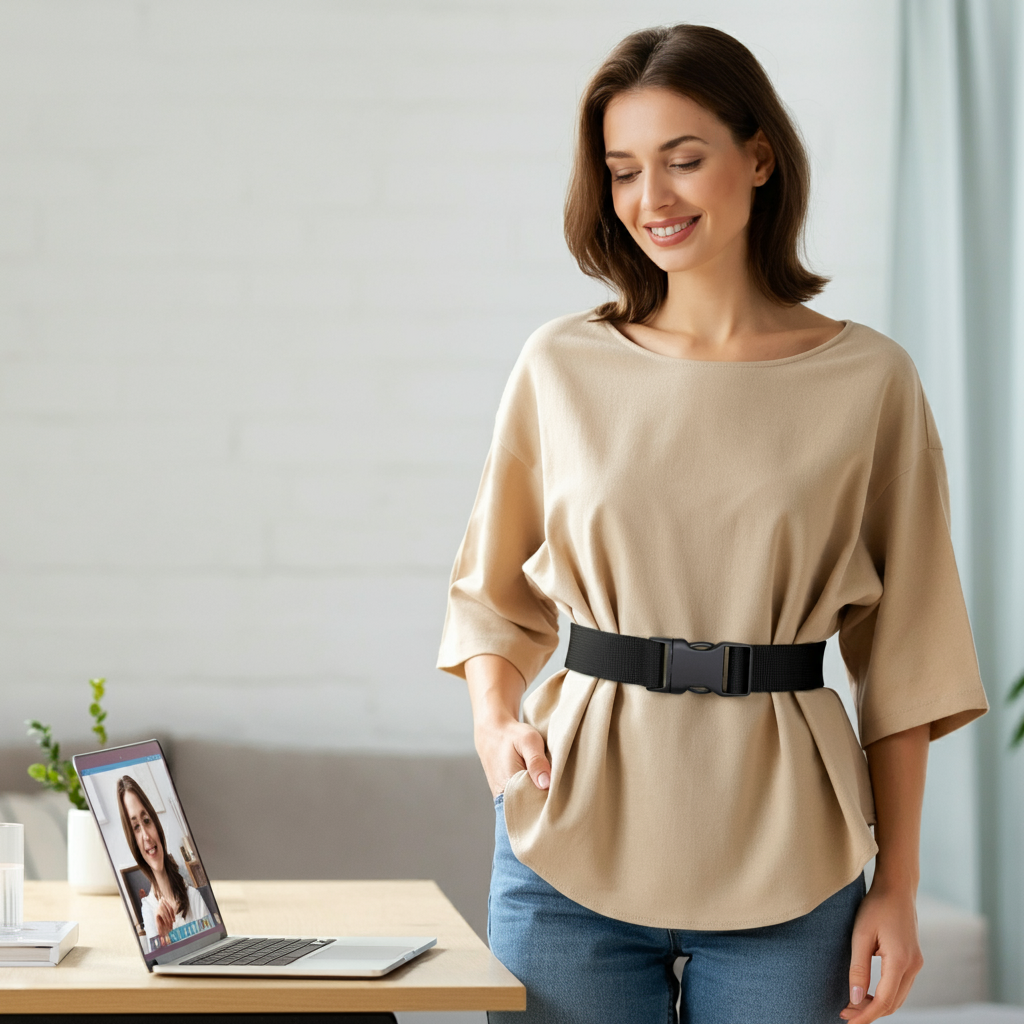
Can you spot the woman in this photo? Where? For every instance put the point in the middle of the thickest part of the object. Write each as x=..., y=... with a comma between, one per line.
x=706, y=459
x=171, y=901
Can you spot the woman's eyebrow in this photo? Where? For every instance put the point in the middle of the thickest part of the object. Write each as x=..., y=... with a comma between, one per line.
x=618, y=154
x=672, y=143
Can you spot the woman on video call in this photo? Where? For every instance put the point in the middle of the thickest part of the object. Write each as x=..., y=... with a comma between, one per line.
x=706, y=459
x=172, y=901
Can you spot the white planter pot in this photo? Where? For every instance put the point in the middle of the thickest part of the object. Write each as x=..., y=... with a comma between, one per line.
x=89, y=869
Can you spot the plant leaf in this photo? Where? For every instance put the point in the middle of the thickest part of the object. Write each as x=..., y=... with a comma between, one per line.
x=37, y=772
x=40, y=733
x=75, y=789
x=1016, y=690
x=96, y=710
x=1018, y=736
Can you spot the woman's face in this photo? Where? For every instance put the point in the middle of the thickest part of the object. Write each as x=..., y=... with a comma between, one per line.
x=144, y=829
x=680, y=183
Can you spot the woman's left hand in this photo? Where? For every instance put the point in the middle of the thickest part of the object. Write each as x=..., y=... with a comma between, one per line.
x=886, y=926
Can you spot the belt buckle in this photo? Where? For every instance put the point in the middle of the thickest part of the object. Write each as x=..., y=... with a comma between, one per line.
x=698, y=667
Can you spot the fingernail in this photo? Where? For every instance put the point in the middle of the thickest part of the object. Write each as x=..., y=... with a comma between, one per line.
x=857, y=995
x=543, y=780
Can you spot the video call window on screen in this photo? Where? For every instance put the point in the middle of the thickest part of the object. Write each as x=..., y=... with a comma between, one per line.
x=154, y=856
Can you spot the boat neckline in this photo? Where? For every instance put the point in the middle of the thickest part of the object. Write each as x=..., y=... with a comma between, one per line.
x=848, y=325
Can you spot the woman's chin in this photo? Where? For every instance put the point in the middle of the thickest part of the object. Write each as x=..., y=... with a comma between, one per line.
x=674, y=262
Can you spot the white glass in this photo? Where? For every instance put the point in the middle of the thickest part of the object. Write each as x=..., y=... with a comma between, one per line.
x=12, y=876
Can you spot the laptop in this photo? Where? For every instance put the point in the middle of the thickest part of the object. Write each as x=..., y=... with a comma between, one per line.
x=168, y=896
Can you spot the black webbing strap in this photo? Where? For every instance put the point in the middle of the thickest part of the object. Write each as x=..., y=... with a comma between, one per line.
x=673, y=665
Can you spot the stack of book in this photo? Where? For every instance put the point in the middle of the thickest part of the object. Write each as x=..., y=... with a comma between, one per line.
x=38, y=944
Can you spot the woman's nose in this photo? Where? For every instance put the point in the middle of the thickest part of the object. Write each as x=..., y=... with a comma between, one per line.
x=657, y=192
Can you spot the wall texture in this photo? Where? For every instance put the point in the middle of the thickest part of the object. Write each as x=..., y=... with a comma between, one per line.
x=264, y=267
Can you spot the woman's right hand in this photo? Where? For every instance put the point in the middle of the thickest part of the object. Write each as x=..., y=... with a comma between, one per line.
x=505, y=745
x=165, y=914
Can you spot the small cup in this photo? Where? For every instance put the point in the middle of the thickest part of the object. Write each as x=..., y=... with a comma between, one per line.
x=12, y=876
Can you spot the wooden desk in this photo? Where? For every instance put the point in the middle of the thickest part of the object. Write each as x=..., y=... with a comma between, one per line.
x=105, y=972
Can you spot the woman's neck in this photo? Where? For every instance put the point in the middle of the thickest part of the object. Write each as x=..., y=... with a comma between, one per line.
x=706, y=312
x=716, y=313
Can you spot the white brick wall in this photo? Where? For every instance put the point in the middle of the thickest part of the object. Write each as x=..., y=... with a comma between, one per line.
x=264, y=267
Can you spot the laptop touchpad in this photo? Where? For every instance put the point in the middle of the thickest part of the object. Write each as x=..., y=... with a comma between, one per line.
x=339, y=951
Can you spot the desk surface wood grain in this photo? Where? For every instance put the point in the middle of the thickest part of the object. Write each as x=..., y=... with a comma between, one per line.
x=105, y=973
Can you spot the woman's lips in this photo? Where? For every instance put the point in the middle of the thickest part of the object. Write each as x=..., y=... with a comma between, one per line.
x=671, y=232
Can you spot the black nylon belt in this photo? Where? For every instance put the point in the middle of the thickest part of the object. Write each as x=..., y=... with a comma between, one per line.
x=668, y=665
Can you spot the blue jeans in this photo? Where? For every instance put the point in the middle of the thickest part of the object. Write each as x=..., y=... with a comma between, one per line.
x=580, y=967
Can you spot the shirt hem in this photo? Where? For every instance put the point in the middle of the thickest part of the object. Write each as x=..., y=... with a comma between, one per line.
x=624, y=914
x=700, y=924
x=923, y=713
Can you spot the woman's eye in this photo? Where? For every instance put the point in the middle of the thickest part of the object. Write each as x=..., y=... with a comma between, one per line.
x=687, y=166
x=623, y=176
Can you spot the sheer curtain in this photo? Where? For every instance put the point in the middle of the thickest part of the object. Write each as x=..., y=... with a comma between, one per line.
x=958, y=307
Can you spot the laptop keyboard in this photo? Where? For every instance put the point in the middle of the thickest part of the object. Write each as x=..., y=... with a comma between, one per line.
x=258, y=952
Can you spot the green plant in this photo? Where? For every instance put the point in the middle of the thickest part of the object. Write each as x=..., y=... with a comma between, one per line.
x=58, y=775
x=1015, y=691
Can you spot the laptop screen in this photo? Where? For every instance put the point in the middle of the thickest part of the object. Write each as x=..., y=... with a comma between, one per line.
x=154, y=855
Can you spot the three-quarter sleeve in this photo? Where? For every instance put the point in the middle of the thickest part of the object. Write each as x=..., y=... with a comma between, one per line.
x=910, y=654
x=493, y=608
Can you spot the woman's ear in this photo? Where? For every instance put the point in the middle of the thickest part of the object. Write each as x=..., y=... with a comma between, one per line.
x=761, y=150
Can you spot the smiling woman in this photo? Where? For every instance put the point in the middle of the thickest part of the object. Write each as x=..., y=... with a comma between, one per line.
x=734, y=111
x=709, y=479
x=170, y=902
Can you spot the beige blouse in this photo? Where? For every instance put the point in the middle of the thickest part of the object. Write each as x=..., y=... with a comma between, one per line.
x=765, y=502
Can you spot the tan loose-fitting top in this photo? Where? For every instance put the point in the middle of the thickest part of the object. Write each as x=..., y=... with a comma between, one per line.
x=765, y=502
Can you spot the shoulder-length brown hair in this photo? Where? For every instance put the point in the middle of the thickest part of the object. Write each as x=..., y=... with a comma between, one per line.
x=126, y=784
x=721, y=74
